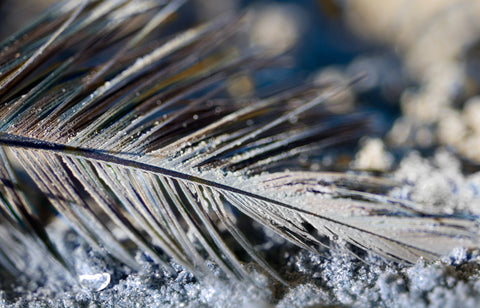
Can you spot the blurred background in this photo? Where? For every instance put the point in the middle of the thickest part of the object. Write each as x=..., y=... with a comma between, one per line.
x=419, y=60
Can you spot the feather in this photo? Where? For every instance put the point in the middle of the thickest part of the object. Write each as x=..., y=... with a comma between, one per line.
x=122, y=129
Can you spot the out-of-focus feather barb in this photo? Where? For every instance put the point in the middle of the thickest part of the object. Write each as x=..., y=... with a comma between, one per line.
x=123, y=129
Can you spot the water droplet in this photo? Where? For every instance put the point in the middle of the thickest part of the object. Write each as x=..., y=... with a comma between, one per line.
x=95, y=282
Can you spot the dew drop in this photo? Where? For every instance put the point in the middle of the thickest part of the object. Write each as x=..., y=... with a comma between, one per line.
x=95, y=282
